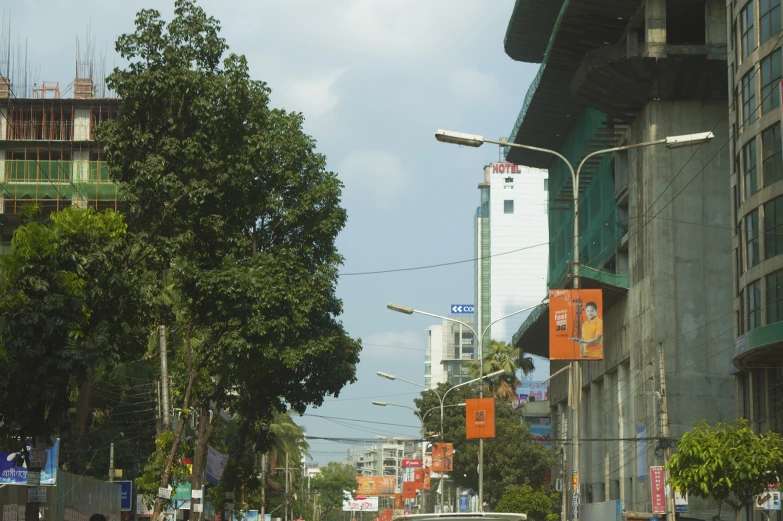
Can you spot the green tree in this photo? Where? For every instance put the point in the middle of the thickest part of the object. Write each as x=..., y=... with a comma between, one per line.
x=537, y=504
x=331, y=484
x=505, y=357
x=232, y=196
x=727, y=463
x=512, y=458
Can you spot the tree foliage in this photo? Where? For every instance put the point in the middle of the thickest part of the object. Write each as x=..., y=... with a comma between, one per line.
x=727, y=463
x=231, y=196
x=69, y=303
x=501, y=356
x=537, y=504
x=331, y=484
x=512, y=458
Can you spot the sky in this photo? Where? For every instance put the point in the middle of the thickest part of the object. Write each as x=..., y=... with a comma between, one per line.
x=374, y=80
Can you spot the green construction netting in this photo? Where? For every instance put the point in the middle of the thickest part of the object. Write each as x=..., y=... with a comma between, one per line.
x=87, y=180
x=600, y=228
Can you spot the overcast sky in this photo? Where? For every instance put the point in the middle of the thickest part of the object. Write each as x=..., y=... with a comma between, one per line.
x=374, y=79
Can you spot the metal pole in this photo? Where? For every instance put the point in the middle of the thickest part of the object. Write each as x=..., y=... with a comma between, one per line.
x=164, y=376
x=111, y=463
x=670, y=509
x=481, y=440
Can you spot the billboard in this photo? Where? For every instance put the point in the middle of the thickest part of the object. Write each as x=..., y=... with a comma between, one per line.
x=442, y=457
x=479, y=418
x=11, y=474
x=411, y=463
x=422, y=479
x=409, y=490
x=361, y=504
x=530, y=392
x=376, y=485
x=576, y=326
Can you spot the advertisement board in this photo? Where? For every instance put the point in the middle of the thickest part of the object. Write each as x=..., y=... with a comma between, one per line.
x=768, y=500
x=411, y=463
x=422, y=478
x=408, y=490
x=361, y=504
x=11, y=474
x=442, y=457
x=530, y=392
x=576, y=327
x=376, y=485
x=479, y=418
x=658, y=489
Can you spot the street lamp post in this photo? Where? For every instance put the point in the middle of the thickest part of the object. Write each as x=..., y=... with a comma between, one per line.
x=479, y=340
x=473, y=140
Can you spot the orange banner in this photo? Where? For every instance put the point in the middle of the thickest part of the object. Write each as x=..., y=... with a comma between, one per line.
x=480, y=418
x=398, y=503
x=576, y=326
x=425, y=480
x=408, y=490
x=376, y=485
x=442, y=457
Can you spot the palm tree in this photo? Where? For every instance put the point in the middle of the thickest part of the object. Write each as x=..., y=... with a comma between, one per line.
x=506, y=357
x=288, y=439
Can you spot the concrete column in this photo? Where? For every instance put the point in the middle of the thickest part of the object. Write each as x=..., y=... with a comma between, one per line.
x=655, y=26
x=624, y=431
x=596, y=448
x=715, y=18
x=81, y=125
x=3, y=124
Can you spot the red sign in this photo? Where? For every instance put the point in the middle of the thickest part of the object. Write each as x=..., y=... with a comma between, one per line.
x=409, y=490
x=505, y=168
x=411, y=463
x=658, y=486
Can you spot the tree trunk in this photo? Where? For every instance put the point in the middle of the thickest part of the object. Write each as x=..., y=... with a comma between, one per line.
x=82, y=415
x=200, y=449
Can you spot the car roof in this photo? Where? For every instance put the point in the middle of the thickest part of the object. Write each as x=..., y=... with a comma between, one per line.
x=465, y=516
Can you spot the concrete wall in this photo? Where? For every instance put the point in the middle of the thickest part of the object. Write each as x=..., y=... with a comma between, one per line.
x=679, y=297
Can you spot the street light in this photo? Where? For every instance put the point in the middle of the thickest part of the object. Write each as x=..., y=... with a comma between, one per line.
x=460, y=138
x=450, y=137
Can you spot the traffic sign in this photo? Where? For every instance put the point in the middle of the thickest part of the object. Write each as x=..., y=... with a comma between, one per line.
x=462, y=309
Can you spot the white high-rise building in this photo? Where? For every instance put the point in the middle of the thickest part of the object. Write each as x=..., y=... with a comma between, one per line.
x=434, y=373
x=511, y=234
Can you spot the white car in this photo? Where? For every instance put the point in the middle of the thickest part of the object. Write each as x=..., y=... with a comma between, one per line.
x=464, y=516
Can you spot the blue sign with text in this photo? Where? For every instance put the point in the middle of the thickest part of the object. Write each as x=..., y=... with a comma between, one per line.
x=462, y=309
x=463, y=502
x=126, y=495
x=11, y=474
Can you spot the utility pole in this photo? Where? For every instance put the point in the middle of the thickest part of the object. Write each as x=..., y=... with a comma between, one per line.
x=164, y=376
x=670, y=510
x=111, y=463
x=564, y=474
x=263, y=486
x=287, y=487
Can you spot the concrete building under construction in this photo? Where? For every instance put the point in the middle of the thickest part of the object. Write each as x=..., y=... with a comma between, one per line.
x=654, y=228
x=48, y=152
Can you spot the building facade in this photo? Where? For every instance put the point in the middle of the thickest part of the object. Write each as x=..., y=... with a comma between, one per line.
x=383, y=459
x=755, y=72
x=654, y=224
x=510, y=237
x=48, y=153
x=450, y=347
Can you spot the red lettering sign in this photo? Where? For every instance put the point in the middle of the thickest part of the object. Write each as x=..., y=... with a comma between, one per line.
x=411, y=463
x=505, y=168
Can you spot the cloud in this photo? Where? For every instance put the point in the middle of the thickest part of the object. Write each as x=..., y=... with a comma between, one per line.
x=313, y=95
x=473, y=85
x=372, y=174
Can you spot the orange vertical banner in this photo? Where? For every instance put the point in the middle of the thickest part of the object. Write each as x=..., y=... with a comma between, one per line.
x=479, y=418
x=576, y=326
x=408, y=490
x=442, y=457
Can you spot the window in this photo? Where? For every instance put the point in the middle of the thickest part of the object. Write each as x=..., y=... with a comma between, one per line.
x=775, y=297
x=741, y=325
x=773, y=228
x=748, y=98
x=508, y=206
x=754, y=305
x=769, y=19
x=759, y=394
x=771, y=161
x=749, y=168
x=546, y=185
x=770, y=79
x=747, y=32
x=752, y=239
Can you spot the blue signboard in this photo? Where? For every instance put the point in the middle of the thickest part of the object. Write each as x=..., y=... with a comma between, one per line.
x=462, y=309
x=10, y=474
x=641, y=454
x=126, y=495
x=463, y=502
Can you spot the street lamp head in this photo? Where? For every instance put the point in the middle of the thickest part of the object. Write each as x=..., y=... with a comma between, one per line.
x=382, y=404
x=400, y=309
x=688, y=140
x=386, y=375
x=459, y=138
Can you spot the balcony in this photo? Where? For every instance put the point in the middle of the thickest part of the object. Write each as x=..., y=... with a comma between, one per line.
x=33, y=171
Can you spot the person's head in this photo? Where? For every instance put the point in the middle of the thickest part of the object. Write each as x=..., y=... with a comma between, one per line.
x=97, y=517
x=591, y=309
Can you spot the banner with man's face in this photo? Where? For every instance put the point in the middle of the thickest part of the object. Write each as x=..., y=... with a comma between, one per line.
x=576, y=325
